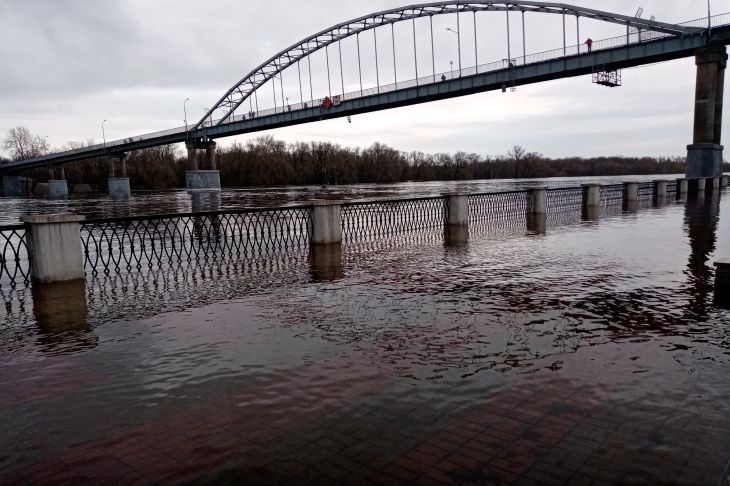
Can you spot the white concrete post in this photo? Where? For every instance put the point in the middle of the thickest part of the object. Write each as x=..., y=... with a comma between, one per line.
x=55, y=247
x=723, y=181
x=591, y=195
x=538, y=201
x=631, y=192
x=660, y=189
x=458, y=209
x=326, y=223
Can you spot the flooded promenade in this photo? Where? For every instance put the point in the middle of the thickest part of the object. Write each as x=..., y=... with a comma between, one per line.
x=589, y=353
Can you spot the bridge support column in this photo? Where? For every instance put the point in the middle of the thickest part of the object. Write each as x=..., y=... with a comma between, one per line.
x=210, y=154
x=57, y=188
x=202, y=180
x=55, y=247
x=456, y=231
x=119, y=187
x=723, y=181
x=704, y=156
x=326, y=223
x=631, y=196
x=12, y=186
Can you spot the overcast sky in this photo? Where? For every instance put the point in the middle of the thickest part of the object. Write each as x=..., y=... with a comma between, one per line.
x=69, y=64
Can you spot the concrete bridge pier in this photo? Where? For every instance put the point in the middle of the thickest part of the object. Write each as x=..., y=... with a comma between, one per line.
x=723, y=181
x=12, y=186
x=197, y=179
x=57, y=187
x=704, y=156
x=118, y=187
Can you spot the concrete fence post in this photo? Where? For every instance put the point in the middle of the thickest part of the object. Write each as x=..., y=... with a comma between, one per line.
x=55, y=247
x=591, y=202
x=456, y=231
x=631, y=196
x=631, y=192
x=591, y=195
x=326, y=223
x=537, y=212
x=457, y=213
x=538, y=201
x=660, y=191
x=722, y=283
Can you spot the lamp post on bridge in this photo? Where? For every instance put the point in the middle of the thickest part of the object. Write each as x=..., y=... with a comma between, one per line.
x=458, y=36
x=103, y=134
x=185, y=111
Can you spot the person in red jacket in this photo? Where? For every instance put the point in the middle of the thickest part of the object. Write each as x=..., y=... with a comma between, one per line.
x=589, y=43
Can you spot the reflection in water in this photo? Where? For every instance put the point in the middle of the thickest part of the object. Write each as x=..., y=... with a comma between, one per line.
x=61, y=314
x=701, y=218
x=456, y=236
x=325, y=263
x=536, y=224
x=244, y=367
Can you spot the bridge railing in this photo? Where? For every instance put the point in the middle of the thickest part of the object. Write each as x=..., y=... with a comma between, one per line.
x=146, y=243
x=470, y=70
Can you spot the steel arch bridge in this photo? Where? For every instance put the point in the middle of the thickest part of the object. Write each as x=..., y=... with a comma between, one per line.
x=641, y=41
x=243, y=90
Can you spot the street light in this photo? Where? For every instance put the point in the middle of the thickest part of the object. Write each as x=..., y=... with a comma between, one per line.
x=185, y=110
x=452, y=69
x=458, y=37
x=103, y=135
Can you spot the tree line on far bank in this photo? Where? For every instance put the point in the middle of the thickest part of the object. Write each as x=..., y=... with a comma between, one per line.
x=266, y=161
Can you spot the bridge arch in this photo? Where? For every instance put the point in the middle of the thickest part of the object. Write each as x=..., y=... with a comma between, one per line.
x=226, y=106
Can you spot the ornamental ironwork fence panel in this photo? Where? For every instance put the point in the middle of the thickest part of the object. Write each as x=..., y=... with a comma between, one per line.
x=113, y=245
x=14, y=255
x=362, y=221
x=564, y=198
x=498, y=206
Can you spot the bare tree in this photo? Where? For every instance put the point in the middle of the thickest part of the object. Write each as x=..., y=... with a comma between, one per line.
x=22, y=144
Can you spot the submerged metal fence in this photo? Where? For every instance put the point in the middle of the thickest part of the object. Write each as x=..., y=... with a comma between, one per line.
x=375, y=219
x=119, y=245
x=154, y=241
x=497, y=206
x=14, y=255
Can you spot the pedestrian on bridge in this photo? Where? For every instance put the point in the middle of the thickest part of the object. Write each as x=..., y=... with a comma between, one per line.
x=589, y=43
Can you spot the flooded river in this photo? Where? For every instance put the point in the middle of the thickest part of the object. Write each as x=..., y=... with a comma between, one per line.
x=592, y=353
x=156, y=202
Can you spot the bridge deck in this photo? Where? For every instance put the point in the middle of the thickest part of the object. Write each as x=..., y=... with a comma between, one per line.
x=472, y=80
